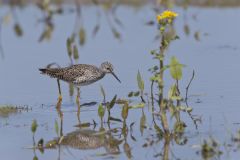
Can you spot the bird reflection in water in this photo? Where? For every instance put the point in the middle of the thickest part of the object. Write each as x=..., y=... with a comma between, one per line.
x=85, y=139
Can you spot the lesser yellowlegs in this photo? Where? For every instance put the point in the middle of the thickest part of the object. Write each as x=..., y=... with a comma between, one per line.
x=79, y=74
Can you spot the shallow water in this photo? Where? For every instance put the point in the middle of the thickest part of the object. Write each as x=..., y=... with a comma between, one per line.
x=215, y=59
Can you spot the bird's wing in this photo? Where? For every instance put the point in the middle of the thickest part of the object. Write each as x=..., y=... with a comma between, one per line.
x=71, y=73
x=79, y=73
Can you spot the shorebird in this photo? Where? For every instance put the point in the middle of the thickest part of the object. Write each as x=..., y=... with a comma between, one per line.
x=79, y=74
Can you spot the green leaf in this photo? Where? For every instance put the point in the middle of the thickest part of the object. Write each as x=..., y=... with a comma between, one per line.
x=184, y=108
x=83, y=125
x=140, y=82
x=175, y=69
x=173, y=93
x=159, y=57
x=82, y=36
x=103, y=92
x=142, y=123
x=40, y=143
x=125, y=111
x=130, y=94
x=112, y=103
x=179, y=127
x=140, y=105
x=56, y=127
x=47, y=33
x=152, y=52
x=158, y=129
x=69, y=47
x=136, y=94
x=34, y=126
x=75, y=52
x=101, y=111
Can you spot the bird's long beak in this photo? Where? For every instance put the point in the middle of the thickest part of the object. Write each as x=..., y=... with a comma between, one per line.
x=114, y=75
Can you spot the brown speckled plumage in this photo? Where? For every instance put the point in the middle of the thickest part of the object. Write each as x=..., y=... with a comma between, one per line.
x=80, y=74
x=88, y=139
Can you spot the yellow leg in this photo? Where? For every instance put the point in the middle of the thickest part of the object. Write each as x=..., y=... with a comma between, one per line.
x=59, y=91
x=78, y=104
x=78, y=96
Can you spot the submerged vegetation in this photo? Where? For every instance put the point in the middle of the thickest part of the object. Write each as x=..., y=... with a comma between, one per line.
x=152, y=119
x=7, y=110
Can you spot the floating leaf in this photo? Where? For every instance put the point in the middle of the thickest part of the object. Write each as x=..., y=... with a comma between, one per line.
x=82, y=36
x=140, y=82
x=130, y=94
x=125, y=111
x=34, y=126
x=87, y=124
x=115, y=119
x=101, y=111
x=175, y=69
x=136, y=94
x=56, y=127
x=40, y=143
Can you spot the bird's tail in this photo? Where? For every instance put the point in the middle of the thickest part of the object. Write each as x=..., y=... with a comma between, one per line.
x=52, y=72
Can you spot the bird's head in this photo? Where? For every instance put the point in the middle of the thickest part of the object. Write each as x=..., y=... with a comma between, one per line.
x=107, y=67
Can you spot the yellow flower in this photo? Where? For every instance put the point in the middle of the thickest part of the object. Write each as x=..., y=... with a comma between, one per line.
x=170, y=15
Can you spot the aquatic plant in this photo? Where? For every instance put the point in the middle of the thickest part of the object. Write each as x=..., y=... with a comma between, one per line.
x=7, y=110
x=210, y=149
x=166, y=17
x=172, y=103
